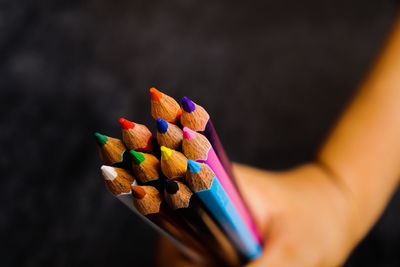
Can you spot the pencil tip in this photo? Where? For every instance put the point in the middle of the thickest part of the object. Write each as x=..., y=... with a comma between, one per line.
x=138, y=192
x=193, y=166
x=125, y=124
x=137, y=157
x=188, y=105
x=162, y=125
x=108, y=172
x=165, y=152
x=171, y=187
x=155, y=95
x=101, y=140
x=188, y=133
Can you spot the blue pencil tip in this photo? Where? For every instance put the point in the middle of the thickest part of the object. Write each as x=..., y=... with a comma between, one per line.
x=162, y=125
x=193, y=166
x=188, y=105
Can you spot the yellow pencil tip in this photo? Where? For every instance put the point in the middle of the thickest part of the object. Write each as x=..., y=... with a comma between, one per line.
x=165, y=153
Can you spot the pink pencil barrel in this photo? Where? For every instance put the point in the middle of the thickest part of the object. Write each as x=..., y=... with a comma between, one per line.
x=227, y=184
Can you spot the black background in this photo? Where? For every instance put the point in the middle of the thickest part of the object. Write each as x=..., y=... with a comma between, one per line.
x=274, y=75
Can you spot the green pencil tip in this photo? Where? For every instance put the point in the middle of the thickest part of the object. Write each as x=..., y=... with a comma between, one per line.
x=137, y=157
x=101, y=140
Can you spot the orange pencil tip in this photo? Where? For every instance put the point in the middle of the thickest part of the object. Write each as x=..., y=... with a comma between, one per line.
x=125, y=124
x=138, y=192
x=155, y=94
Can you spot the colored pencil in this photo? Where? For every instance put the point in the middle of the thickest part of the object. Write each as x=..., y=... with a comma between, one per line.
x=196, y=147
x=112, y=151
x=136, y=136
x=164, y=107
x=169, y=135
x=118, y=181
x=148, y=202
x=196, y=118
x=203, y=181
x=207, y=218
x=187, y=205
x=146, y=168
x=173, y=163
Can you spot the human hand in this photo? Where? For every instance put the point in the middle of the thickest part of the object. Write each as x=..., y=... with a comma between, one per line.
x=305, y=215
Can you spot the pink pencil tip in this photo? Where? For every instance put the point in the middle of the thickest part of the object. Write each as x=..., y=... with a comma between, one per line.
x=188, y=133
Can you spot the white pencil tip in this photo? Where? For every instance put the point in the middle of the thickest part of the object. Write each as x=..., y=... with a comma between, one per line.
x=109, y=173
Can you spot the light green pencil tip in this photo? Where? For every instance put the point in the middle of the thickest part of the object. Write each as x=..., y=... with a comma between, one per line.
x=101, y=140
x=137, y=157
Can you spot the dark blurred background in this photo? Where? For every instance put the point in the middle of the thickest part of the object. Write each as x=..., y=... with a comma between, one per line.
x=285, y=69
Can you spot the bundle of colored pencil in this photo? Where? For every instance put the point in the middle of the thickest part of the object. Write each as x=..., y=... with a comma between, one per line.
x=181, y=182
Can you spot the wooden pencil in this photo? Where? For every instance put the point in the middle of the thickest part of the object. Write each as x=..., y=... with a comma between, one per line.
x=197, y=118
x=203, y=181
x=148, y=202
x=118, y=182
x=197, y=147
x=169, y=135
x=187, y=205
x=173, y=163
x=112, y=151
x=164, y=107
x=146, y=168
x=136, y=136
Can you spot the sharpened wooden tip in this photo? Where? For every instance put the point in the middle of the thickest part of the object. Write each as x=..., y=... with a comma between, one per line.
x=165, y=107
x=188, y=105
x=155, y=95
x=108, y=172
x=125, y=124
x=194, y=116
x=101, y=140
x=162, y=125
x=138, y=192
x=169, y=135
x=173, y=163
x=137, y=157
x=117, y=180
x=177, y=195
x=195, y=146
x=171, y=187
x=199, y=176
x=165, y=153
x=193, y=166
x=188, y=134
x=111, y=149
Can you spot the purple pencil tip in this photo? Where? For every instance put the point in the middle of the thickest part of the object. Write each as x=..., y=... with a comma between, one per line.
x=188, y=105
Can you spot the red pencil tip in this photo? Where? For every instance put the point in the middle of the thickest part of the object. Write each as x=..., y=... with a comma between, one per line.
x=155, y=94
x=125, y=124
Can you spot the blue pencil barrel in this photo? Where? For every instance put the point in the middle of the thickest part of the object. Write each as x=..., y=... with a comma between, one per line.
x=220, y=206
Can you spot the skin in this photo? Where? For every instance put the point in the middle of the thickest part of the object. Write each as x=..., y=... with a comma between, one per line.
x=315, y=214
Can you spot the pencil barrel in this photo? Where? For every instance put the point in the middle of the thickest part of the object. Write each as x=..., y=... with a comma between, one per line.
x=174, y=226
x=209, y=233
x=220, y=205
x=190, y=253
x=219, y=162
x=216, y=143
